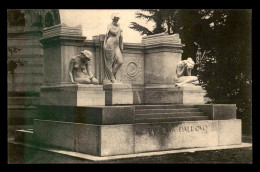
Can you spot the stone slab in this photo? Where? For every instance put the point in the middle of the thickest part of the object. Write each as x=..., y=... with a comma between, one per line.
x=118, y=93
x=230, y=132
x=175, y=135
x=118, y=97
x=162, y=94
x=219, y=111
x=117, y=86
x=193, y=97
x=99, y=115
x=117, y=139
x=193, y=94
x=72, y=95
x=98, y=140
x=68, y=86
x=110, y=140
x=81, y=156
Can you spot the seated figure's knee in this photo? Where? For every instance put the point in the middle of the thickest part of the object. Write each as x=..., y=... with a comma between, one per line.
x=94, y=81
x=194, y=78
x=86, y=81
x=120, y=62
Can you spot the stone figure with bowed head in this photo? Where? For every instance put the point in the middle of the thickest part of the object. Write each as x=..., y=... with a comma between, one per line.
x=113, y=44
x=79, y=71
x=183, y=72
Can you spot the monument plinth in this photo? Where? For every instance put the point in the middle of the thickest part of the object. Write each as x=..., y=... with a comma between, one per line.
x=72, y=94
x=118, y=93
x=192, y=94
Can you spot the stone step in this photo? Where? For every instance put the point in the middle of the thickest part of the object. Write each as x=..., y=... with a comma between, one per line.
x=171, y=119
x=167, y=115
x=25, y=136
x=19, y=127
x=170, y=106
x=148, y=111
x=22, y=107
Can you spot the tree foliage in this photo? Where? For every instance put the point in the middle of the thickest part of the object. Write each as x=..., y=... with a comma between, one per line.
x=224, y=37
x=15, y=18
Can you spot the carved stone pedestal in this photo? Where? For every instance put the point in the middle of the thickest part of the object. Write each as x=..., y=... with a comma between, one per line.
x=193, y=94
x=162, y=94
x=67, y=94
x=169, y=94
x=118, y=93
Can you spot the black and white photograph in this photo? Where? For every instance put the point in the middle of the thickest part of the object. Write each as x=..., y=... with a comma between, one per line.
x=129, y=86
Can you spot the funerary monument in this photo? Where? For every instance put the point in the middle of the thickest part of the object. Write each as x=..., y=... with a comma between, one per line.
x=104, y=97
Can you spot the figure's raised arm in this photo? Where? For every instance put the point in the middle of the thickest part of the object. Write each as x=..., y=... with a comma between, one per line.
x=121, y=45
x=180, y=69
x=89, y=71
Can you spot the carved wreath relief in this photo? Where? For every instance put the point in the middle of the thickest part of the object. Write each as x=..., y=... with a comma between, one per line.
x=133, y=70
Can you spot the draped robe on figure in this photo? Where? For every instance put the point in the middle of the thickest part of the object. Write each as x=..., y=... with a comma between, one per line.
x=112, y=44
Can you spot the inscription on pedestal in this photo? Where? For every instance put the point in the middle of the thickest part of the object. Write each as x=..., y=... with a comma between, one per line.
x=180, y=129
x=166, y=136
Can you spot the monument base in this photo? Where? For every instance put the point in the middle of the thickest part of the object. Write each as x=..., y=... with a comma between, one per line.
x=68, y=94
x=109, y=140
x=65, y=156
x=118, y=93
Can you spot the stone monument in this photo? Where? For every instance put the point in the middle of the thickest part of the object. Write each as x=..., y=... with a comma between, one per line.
x=78, y=116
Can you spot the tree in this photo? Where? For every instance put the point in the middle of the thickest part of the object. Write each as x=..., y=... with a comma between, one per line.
x=224, y=38
x=159, y=16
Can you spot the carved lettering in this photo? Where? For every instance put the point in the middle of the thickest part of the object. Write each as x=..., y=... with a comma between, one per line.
x=186, y=129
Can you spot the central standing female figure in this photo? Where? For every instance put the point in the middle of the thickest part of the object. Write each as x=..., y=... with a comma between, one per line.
x=113, y=44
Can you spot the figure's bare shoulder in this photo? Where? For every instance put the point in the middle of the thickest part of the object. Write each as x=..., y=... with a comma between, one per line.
x=74, y=58
x=109, y=25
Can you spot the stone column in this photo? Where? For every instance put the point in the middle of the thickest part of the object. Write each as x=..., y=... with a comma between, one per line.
x=99, y=50
x=162, y=52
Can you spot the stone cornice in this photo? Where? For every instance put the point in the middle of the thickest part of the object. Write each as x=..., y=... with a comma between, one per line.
x=63, y=40
x=164, y=45
x=62, y=34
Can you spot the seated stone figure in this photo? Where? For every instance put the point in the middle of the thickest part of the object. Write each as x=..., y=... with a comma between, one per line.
x=79, y=71
x=183, y=72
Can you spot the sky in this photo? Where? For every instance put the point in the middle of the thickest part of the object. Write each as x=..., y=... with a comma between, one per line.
x=94, y=22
